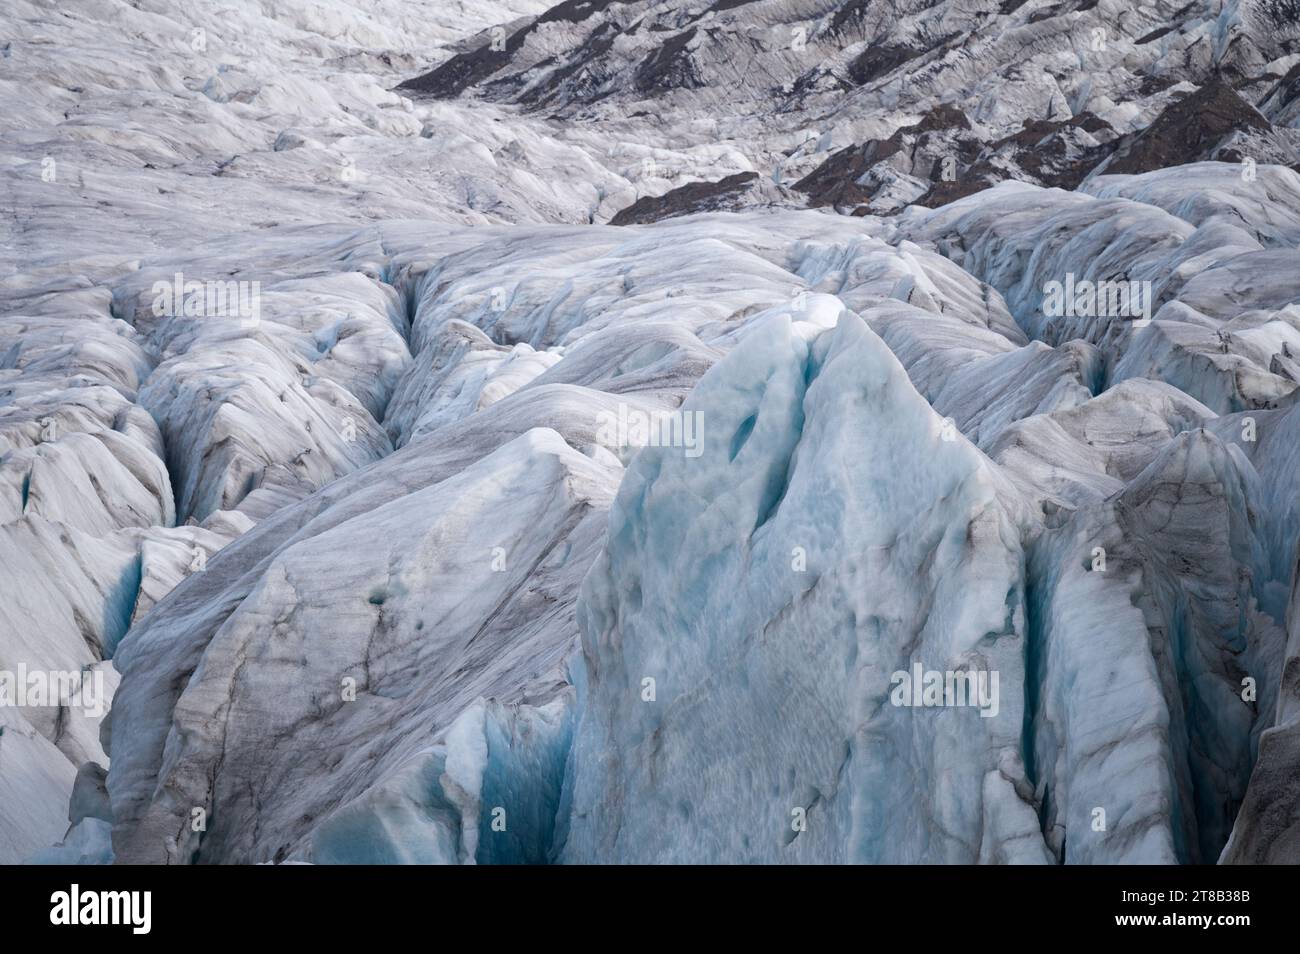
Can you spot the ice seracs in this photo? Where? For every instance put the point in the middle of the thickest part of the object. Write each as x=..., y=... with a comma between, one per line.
x=321, y=397
x=742, y=625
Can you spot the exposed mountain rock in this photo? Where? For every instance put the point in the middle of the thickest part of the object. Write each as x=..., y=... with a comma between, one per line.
x=690, y=198
x=1190, y=129
x=835, y=181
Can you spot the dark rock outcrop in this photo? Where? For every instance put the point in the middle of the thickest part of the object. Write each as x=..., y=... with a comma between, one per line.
x=685, y=200
x=1188, y=130
x=835, y=181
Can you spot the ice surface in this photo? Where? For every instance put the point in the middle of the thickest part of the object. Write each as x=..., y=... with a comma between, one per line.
x=336, y=549
x=770, y=589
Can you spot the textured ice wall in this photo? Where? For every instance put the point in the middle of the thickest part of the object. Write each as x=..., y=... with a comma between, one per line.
x=828, y=536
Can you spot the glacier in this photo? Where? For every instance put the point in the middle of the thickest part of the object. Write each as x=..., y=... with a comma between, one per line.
x=411, y=509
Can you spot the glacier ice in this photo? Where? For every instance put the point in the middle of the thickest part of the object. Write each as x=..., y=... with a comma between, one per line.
x=828, y=537
x=367, y=573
